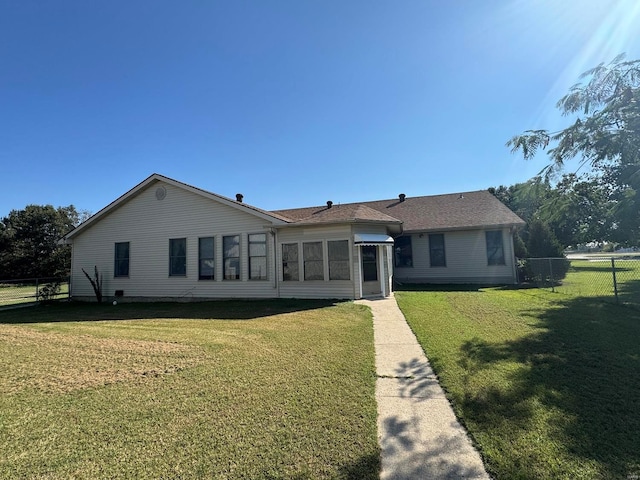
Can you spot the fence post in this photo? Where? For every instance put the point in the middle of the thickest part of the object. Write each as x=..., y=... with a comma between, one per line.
x=37, y=289
x=553, y=289
x=615, y=281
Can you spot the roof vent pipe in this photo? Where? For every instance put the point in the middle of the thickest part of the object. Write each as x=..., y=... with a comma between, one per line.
x=402, y=196
x=329, y=204
x=239, y=197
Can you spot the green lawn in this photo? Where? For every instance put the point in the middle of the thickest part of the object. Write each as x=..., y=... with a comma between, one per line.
x=547, y=384
x=594, y=278
x=264, y=389
x=16, y=294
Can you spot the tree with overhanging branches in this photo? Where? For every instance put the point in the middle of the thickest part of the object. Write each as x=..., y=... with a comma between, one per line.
x=605, y=136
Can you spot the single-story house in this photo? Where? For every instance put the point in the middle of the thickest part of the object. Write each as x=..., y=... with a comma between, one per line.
x=164, y=239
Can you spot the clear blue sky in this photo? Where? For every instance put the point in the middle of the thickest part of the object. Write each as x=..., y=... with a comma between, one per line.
x=291, y=103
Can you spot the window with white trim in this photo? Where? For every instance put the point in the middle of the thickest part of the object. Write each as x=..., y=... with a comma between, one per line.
x=178, y=257
x=338, y=253
x=206, y=258
x=258, y=256
x=495, y=247
x=437, y=255
x=121, y=260
x=231, y=257
x=313, y=261
x=290, y=264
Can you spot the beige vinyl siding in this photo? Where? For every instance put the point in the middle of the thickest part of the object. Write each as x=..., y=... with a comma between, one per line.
x=466, y=260
x=314, y=288
x=148, y=224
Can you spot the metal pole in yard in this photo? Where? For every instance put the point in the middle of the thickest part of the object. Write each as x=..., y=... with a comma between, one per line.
x=551, y=275
x=37, y=288
x=615, y=281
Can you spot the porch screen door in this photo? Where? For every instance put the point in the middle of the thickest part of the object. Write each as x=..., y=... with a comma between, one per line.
x=369, y=264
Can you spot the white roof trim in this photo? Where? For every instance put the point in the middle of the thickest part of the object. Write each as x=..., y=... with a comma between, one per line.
x=161, y=178
x=367, y=239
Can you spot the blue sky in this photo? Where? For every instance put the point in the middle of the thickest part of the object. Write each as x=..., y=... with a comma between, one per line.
x=291, y=103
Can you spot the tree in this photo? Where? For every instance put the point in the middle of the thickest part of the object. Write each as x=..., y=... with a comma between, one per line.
x=578, y=210
x=29, y=241
x=546, y=262
x=605, y=136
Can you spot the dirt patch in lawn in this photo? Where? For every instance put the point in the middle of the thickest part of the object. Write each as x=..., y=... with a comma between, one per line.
x=55, y=362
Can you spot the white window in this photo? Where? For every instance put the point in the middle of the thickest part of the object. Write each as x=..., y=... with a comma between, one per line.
x=231, y=257
x=258, y=256
x=338, y=253
x=313, y=261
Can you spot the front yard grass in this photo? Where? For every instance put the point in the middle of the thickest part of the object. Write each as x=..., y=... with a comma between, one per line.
x=264, y=389
x=547, y=384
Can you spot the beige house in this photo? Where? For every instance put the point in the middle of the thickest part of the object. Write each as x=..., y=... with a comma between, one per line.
x=164, y=239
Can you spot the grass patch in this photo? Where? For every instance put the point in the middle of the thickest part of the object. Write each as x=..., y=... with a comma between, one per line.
x=594, y=278
x=18, y=293
x=265, y=389
x=547, y=384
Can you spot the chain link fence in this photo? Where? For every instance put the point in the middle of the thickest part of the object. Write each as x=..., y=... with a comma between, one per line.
x=609, y=278
x=32, y=290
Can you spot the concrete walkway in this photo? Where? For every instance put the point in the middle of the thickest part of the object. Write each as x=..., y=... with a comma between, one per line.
x=418, y=432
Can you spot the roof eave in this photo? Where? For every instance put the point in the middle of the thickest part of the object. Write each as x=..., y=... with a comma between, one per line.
x=161, y=178
x=338, y=222
x=462, y=228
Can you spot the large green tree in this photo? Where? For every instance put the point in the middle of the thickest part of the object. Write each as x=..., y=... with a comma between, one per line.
x=29, y=241
x=605, y=136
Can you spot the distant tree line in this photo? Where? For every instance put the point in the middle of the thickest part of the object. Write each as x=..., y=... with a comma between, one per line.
x=29, y=241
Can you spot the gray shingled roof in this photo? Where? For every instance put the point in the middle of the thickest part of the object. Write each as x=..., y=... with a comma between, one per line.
x=456, y=211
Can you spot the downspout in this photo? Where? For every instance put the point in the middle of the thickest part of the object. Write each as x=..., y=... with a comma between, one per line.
x=383, y=277
x=514, y=268
x=359, y=271
x=276, y=284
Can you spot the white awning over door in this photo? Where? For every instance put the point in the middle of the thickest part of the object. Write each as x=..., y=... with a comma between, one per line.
x=367, y=239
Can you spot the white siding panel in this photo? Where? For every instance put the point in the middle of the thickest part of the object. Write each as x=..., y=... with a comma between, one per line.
x=466, y=259
x=148, y=224
x=317, y=288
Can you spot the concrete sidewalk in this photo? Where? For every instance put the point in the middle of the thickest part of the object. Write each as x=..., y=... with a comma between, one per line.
x=418, y=432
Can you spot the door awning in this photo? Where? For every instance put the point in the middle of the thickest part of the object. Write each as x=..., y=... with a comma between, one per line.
x=366, y=239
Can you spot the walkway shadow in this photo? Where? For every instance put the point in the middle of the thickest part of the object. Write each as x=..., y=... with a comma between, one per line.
x=410, y=458
x=417, y=380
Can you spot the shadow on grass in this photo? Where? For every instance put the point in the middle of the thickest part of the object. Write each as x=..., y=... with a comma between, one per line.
x=583, y=362
x=629, y=293
x=438, y=287
x=366, y=467
x=216, y=310
x=604, y=268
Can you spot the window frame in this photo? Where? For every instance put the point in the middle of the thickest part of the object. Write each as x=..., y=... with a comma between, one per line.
x=498, y=234
x=226, y=257
x=201, y=258
x=398, y=252
x=265, y=256
x=346, y=260
x=116, y=259
x=434, y=252
x=172, y=256
x=286, y=262
x=308, y=262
